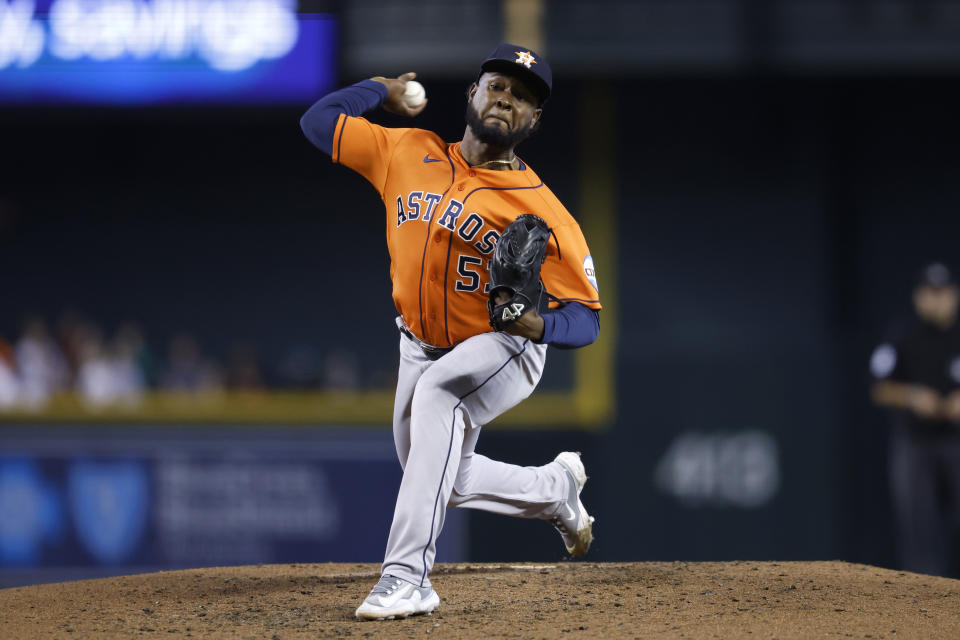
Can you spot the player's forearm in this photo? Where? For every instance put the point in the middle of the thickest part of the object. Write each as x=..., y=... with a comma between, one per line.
x=571, y=326
x=320, y=121
x=894, y=395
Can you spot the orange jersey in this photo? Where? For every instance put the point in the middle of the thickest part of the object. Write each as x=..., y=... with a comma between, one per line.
x=444, y=218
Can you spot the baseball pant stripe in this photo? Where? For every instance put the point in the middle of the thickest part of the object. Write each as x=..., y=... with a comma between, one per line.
x=453, y=426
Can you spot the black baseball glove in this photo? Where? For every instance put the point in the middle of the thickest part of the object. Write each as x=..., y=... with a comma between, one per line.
x=515, y=270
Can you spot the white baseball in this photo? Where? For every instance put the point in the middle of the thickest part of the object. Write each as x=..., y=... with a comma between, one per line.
x=414, y=94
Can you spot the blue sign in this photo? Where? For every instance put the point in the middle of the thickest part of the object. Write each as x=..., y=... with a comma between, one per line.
x=145, y=52
x=30, y=513
x=85, y=502
x=109, y=501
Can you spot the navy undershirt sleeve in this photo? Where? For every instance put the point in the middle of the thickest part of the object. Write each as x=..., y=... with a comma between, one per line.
x=320, y=121
x=570, y=326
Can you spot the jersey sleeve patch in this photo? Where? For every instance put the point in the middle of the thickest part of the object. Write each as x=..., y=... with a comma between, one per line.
x=591, y=272
x=883, y=360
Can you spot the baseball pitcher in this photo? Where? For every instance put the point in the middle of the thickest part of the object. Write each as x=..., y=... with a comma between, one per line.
x=488, y=268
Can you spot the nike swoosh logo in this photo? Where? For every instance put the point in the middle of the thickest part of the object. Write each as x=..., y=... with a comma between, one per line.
x=427, y=158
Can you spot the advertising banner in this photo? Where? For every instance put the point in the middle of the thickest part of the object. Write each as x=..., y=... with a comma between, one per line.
x=146, y=52
x=80, y=502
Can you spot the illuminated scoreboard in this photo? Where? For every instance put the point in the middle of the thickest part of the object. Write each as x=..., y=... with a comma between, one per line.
x=143, y=52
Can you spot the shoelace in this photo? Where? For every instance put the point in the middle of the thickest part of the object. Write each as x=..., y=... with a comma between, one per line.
x=387, y=585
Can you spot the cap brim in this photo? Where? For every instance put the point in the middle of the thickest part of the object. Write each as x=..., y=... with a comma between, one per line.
x=537, y=84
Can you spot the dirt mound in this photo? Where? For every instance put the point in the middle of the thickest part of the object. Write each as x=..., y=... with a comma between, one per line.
x=567, y=600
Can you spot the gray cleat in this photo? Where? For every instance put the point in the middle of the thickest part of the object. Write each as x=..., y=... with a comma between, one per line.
x=395, y=598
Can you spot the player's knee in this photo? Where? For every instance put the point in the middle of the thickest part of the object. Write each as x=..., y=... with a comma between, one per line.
x=456, y=498
x=461, y=484
x=437, y=416
x=432, y=395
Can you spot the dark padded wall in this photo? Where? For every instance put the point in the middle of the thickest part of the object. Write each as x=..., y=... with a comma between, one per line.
x=768, y=230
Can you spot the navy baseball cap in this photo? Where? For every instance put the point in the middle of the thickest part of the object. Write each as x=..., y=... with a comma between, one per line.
x=936, y=275
x=517, y=60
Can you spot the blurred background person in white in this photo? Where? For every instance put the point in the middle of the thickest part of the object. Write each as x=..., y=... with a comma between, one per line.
x=94, y=378
x=109, y=375
x=42, y=367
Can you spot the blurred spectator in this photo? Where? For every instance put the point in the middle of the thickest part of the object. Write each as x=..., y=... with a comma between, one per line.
x=244, y=372
x=73, y=331
x=130, y=345
x=341, y=370
x=917, y=375
x=9, y=385
x=42, y=367
x=187, y=369
x=93, y=376
x=300, y=368
x=121, y=370
x=108, y=376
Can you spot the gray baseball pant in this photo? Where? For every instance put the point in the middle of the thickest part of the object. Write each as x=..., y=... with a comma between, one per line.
x=439, y=409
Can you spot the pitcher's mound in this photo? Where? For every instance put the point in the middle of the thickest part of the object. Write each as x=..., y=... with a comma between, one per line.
x=564, y=600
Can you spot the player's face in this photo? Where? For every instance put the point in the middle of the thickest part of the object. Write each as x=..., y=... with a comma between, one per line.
x=502, y=109
x=937, y=304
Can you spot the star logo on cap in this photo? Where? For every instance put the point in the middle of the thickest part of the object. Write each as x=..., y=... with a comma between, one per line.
x=525, y=58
